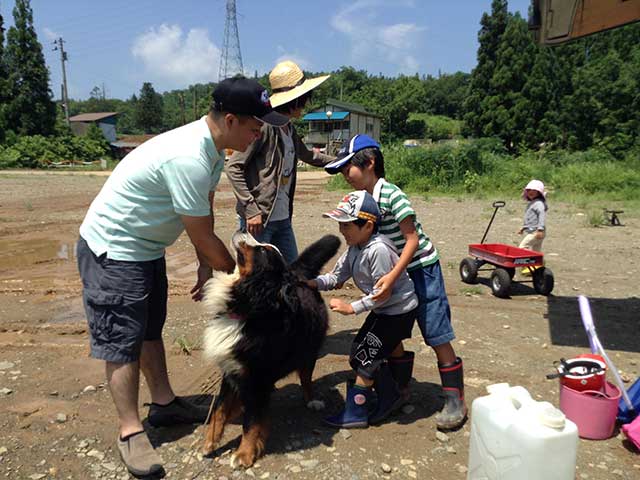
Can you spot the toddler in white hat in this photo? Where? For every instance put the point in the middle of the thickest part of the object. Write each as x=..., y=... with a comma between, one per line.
x=533, y=225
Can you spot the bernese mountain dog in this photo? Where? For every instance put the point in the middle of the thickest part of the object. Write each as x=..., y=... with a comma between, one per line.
x=265, y=323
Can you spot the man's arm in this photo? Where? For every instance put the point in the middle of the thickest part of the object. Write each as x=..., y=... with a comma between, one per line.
x=201, y=259
x=209, y=247
x=312, y=157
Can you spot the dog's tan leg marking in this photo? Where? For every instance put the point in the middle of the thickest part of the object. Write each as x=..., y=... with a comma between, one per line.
x=252, y=445
x=224, y=414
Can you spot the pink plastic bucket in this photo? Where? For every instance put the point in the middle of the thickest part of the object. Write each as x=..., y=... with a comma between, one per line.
x=594, y=412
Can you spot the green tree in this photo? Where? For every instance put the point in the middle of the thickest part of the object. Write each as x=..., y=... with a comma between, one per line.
x=149, y=109
x=3, y=83
x=505, y=110
x=95, y=134
x=541, y=89
x=491, y=29
x=31, y=109
x=445, y=94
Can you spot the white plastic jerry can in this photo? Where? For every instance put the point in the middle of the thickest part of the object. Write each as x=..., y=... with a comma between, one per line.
x=514, y=437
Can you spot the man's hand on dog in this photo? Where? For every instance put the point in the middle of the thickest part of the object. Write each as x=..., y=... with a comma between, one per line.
x=337, y=305
x=254, y=225
x=204, y=273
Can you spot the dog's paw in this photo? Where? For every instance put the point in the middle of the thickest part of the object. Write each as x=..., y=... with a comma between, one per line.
x=242, y=460
x=316, y=405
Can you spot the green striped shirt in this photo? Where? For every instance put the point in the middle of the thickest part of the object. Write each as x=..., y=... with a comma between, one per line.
x=394, y=207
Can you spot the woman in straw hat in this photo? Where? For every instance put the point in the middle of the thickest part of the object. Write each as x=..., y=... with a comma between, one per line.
x=264, y=176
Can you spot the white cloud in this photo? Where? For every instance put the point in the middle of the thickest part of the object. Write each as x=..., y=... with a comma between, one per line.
x=284, y=54
x=176, y=58
x=393, y=43
x=50, y=34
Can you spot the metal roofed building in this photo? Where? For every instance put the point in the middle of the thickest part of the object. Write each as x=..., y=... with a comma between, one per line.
x=337, y=122
x=106, y=121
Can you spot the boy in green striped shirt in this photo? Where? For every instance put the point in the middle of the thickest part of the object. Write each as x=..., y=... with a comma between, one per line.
x=362, y=164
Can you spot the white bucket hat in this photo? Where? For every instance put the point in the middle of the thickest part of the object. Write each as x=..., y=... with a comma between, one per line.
x=536, y=185
x=288, y=82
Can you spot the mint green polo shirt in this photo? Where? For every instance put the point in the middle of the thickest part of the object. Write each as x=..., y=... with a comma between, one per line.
x=137, y=213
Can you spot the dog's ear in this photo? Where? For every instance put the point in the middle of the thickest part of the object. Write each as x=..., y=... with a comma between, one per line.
x=313, y=258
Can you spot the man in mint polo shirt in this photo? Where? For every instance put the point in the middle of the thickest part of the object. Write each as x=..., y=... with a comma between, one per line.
x=163, y=187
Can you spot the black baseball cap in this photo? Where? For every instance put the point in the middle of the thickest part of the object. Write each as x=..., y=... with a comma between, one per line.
x=243, y=96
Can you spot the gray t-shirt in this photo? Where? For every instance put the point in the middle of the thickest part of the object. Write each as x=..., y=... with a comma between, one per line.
x=534, y=216
x=281, y=207
x=366, y=265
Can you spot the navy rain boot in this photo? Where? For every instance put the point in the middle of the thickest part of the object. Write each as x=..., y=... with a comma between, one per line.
x=454, y=412
x=389, y=398
x=355, y=411
x=402, y=370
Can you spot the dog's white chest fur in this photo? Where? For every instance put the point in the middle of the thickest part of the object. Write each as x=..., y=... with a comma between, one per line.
x=223, y=330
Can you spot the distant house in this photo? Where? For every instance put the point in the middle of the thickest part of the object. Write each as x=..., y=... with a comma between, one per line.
x=337, y=122
x=126, y=143
x=105, y=120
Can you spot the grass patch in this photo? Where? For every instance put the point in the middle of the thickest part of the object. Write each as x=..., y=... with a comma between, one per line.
x=482, y=169
x=594, y=218
x=184, y=345
x=471, y=291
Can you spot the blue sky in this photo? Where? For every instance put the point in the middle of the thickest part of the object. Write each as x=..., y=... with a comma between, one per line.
x=123, y=43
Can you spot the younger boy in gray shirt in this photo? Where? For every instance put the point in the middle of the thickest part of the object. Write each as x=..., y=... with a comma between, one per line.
x=369, y=257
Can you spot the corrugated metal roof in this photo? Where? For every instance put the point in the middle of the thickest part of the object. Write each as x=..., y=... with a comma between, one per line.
x=352, y=107
x=323, y=116
x=92, y=117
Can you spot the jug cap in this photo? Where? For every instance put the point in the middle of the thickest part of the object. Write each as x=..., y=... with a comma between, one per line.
x=551, y=417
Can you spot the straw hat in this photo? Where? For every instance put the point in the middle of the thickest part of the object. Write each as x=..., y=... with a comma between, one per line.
x=288, y=83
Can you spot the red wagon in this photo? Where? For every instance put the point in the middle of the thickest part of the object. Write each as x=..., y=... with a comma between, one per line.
x=505, y=259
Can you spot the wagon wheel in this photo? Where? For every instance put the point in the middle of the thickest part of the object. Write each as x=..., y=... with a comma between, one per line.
x=511, y=271
x=500, y=283
x=543, y=280
x=468, y=270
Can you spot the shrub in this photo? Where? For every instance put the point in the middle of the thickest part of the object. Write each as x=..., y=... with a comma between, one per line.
x=37, y=151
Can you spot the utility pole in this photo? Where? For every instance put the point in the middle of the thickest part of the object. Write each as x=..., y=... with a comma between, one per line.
x=59, y=45
x=195, y=103
x=181, y=99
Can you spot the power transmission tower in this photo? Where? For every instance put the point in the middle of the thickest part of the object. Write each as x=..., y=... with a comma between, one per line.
x=59, y=45
x=231, y=58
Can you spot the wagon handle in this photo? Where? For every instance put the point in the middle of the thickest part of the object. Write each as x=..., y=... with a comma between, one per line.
x=497, y=204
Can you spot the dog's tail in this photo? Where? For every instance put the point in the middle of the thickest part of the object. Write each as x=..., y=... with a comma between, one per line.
x=311, y=261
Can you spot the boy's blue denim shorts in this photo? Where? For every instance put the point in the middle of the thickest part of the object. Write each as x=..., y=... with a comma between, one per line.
x=434, y=313
x=125, y=303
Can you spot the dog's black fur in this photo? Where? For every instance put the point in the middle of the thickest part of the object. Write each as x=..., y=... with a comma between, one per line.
x=285, y=324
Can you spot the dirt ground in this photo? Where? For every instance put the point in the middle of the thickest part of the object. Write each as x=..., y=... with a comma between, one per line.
x=57, y=419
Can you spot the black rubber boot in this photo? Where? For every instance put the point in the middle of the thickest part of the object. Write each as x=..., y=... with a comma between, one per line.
x=401, y=370
x=389, y=398
x=454, y=412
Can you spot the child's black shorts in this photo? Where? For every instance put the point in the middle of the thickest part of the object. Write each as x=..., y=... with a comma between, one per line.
x=377, y=338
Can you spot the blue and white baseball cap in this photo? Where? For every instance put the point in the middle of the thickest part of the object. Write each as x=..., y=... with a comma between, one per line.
x=355, y=205
x=348, y=150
